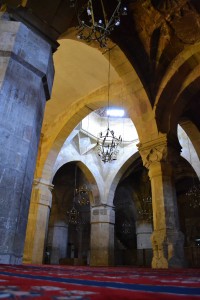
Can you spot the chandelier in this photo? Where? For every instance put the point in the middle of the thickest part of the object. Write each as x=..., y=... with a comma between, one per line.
x=107, y=142
x=73, y=213
x=107, y=145
x=97, y=20
x=73, y=216
x=126, y=227
x=83, y=195
x=145, y=212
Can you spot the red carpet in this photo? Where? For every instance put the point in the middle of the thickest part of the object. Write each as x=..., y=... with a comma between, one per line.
x=89, y=283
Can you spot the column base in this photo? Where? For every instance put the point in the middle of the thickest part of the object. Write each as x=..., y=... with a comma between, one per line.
x=159, y=263
x=101, y=258
x=10, y=259
x=168, y=249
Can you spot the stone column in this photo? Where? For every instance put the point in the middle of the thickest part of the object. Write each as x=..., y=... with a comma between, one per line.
x=143, y=232
x=36, y=232
x=167, y=240
x=26, y=76
x=102, y=236
x=57, y=241
x=144, y=246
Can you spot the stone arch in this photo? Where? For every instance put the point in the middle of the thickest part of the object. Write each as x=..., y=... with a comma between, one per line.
x=143, y=175
x=177, y=89
x=175, y=65
x=172, y=113
x=136, y=103
x=94, y=191
x=120, y=173
x=81, y=110
x=189, y=140
x=193, y=133
x=62, y=231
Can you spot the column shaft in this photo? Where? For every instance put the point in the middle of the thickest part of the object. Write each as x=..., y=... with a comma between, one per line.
x=37, y=226
x=57, y=241
x=26, y=76
x=102, y=236
x=167, y=240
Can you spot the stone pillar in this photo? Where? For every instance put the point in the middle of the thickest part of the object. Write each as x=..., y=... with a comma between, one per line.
x=143, y=232
x=102, y=236
x=26, y=76
x=36, y=232
x=57, y=241
x=167, y=240
x=144, y=246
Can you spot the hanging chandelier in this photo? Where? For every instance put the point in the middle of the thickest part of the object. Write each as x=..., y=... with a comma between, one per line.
x=73, y=213
x=145, y=212
x=107, y=145
x=126, y=227
x=107, y=142
x=83, y=195
x=98, y=18
x=73, y=216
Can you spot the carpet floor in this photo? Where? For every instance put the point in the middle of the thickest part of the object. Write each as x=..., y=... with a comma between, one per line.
x=97, y=283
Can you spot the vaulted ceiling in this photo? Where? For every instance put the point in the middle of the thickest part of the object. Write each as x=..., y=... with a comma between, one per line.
x=157, y=35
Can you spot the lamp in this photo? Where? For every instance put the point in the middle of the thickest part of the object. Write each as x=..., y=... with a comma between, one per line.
x=97, y=20
x=107, y=142
x=126, y=227
x=82, y=195
x=193, y=193
x=73, y=213
x=145, y=212
x=107, y=145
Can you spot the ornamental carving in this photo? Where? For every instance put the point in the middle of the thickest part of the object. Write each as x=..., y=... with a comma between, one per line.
x=159, y=151
x=152, y=155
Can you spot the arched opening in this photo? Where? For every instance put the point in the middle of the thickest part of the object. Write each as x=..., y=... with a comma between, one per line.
x=68, y=238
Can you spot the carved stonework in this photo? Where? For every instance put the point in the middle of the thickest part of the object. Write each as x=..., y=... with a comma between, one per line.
x=160, y=150
x=152, y=155
x=155, y=151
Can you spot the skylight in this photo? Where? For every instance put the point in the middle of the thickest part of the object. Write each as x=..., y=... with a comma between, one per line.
x=115, y=112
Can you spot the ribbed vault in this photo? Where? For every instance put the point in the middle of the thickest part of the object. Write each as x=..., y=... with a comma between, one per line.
x=156, y=60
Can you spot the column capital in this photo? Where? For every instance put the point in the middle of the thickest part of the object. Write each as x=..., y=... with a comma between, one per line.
x=162, y=149
x=40, y=182
x=102, y=214
x=43, y=191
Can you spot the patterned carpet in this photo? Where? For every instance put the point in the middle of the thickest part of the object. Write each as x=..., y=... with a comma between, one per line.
x=92, y=283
